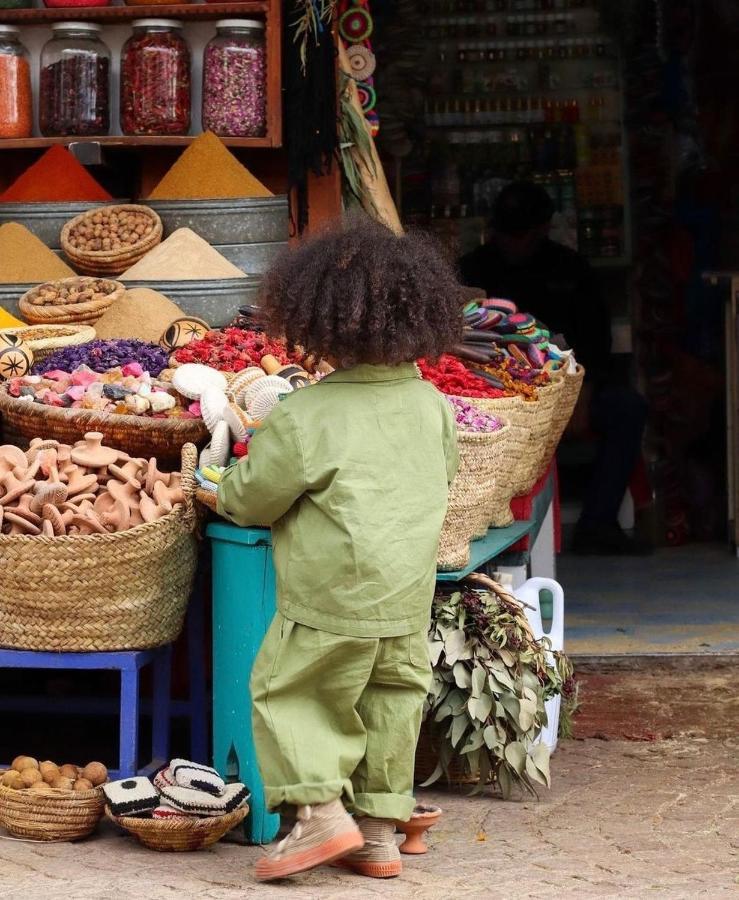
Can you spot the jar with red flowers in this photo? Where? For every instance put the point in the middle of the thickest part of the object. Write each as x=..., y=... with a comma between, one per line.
x=74, y=81
x=155, y=79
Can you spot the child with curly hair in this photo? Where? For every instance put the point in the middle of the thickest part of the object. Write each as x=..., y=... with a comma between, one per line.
x=352, y=474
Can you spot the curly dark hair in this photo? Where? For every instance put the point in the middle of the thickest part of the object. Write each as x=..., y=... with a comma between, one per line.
x=361, y=294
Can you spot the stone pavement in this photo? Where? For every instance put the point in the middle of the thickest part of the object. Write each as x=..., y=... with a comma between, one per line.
x=644, y=817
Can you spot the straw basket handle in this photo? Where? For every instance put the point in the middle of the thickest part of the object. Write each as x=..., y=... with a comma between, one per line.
x=479, y=578
x=189, y=484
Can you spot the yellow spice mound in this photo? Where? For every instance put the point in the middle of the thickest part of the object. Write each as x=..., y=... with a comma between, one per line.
x=207, y=170
x=24, y=259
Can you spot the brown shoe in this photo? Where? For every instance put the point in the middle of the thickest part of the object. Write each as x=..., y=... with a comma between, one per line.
x=323, y=833
x=380, y=857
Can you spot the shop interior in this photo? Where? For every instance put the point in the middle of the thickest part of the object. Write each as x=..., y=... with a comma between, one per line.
x=624, y=114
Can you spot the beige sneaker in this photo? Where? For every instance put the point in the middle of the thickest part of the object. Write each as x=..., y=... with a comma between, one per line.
x=323, y=833
x=380, y=857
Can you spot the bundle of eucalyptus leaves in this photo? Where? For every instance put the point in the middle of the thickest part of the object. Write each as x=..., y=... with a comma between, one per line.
x=491, y=680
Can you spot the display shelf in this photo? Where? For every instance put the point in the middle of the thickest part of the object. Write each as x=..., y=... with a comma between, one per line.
x=118, y=140
x=269, y=10
x=103, y=14
x=495, y=542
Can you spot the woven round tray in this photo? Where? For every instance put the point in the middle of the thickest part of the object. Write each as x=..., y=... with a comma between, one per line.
x=110, y=262
x=47, y=339
x=61, y=816
x=123, y=591
x=137, y=435
x=68, y=313
x=179, y=835
x=470, y=495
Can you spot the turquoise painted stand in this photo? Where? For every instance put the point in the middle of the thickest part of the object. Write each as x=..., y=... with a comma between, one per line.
x=243, y=607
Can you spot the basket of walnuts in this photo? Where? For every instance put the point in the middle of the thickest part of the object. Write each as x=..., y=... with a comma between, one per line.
x=77, y=300
x=42, y=801
x=110, y=239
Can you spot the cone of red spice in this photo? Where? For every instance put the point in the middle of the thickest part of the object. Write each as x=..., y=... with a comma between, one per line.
x=56, y=177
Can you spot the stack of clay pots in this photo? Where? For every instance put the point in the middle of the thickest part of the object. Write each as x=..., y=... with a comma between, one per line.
x=57, y=489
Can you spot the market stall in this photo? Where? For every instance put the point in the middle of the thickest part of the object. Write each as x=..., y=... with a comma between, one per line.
x=134, y=369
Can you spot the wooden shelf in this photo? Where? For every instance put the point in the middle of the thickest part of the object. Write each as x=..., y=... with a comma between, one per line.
x=270, y=10
x=117, y=140
x=187, y=11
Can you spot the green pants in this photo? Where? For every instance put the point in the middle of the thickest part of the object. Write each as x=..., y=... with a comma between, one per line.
x=339, y=716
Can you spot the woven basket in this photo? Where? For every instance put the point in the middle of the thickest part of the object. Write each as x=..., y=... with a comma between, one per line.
x=137, y=435
x=517, y=445
x=110, y=262
x=480, y=458
x=47, y=339
x=566, y=403
x=427, y=758
x=179, y=835
x=68, y=313
x=61, y=816
x=548, y=400
x=121, y=591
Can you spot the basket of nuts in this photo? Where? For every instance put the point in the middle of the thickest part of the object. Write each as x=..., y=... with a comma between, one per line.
x=77, y=300
x=46, y=802
x=110, y=239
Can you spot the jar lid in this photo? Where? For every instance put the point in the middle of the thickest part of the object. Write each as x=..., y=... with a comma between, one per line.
x=161, y=23
x=77, y=26
x=9, y=29
x=239, y=23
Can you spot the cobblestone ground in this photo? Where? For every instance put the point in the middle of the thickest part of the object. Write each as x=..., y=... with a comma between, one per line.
x=625, y=818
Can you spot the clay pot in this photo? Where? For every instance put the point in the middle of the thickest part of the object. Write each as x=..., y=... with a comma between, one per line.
x=13, y=488
x=150, y=509
x=53, y=492
x=153, y=475
x=12, y=459
x=79, y=482
x=19, y=524
x=422, y=819
x=23, y=508
x=53, y=517
x=125, y=475
x=91, y=452
x=118, y=518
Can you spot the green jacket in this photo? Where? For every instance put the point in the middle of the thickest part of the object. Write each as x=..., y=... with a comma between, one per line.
x=352, y=474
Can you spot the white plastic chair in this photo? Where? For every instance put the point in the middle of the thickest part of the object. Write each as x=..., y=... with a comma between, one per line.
x=529, y=593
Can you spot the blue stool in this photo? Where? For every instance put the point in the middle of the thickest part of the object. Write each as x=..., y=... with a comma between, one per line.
x=243, y=608
x=129, y=663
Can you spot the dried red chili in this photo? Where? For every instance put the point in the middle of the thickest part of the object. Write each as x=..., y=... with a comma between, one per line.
x=155, y=79
x=451, y=376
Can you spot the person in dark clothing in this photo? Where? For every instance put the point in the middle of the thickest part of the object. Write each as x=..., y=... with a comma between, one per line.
x=557, y=286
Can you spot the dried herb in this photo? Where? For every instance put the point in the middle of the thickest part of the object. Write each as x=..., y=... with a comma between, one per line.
x=491, y=680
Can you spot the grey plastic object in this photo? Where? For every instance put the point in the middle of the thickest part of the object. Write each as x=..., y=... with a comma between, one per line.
x=259, y=220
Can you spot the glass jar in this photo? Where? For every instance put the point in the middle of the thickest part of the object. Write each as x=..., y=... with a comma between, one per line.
x=235, y=80
x=155, y=79
x=74, y=86
x=16, y=105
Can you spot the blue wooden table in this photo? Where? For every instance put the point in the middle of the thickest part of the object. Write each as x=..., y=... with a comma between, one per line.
x=243, y=607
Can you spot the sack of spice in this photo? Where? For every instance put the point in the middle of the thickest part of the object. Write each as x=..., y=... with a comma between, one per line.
x=24, y=259
x=207, y=170
x=55, y=178
x=141, y=313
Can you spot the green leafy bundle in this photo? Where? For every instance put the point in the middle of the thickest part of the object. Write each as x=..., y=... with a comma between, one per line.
x=491, y=680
